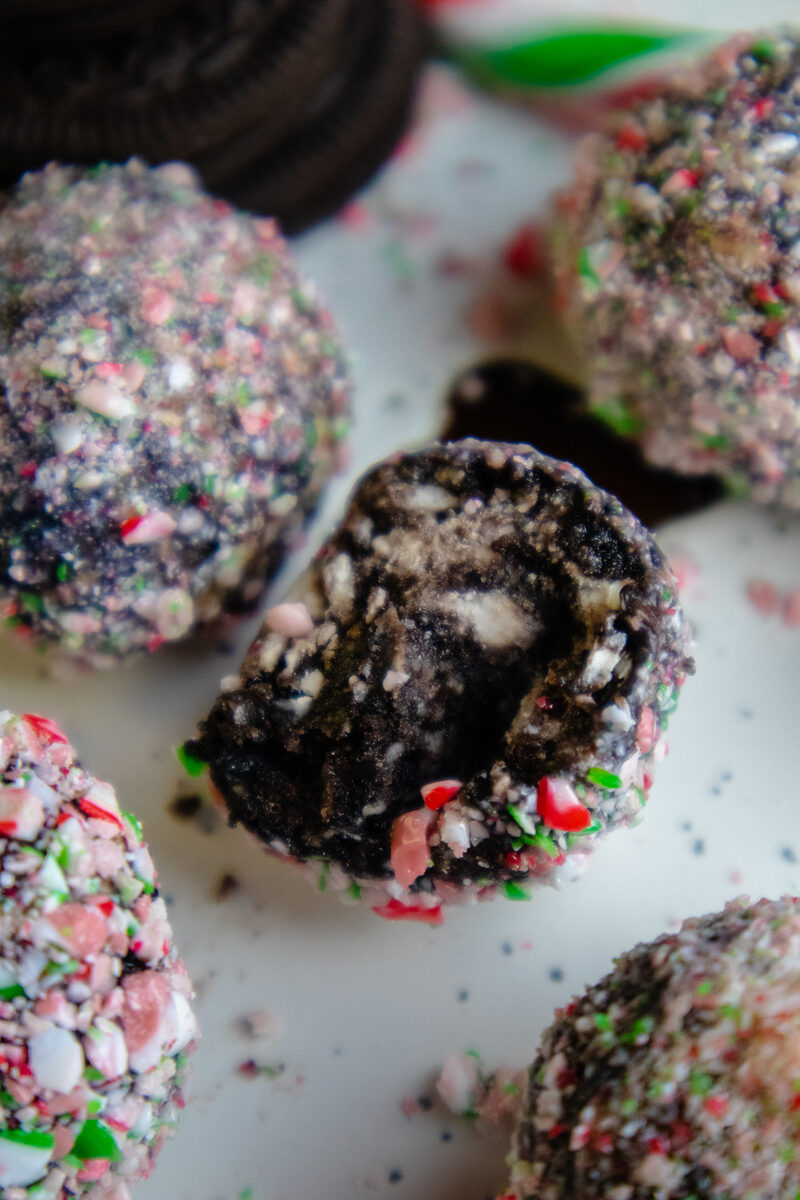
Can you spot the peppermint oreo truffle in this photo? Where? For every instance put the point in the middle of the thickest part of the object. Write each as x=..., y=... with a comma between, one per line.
x=171, y=398
x=468, y=690
x=675, y=1075
x=677, y=257
x=96, y=1020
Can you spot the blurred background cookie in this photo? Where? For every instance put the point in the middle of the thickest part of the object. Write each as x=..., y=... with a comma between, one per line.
x=286, y=108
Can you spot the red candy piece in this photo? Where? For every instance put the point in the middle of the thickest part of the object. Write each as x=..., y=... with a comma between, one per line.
x=127, y=527
x=437, y=794
x=44, y=728
x=99, y=814
x=631, y=137
x=559, y=807
x=395, y=911
x=524, y=255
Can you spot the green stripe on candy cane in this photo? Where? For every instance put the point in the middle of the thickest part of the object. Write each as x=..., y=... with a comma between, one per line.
x=568, y=57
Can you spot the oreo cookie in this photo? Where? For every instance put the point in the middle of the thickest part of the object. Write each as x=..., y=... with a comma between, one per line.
x=344, y=139
x=284, y=106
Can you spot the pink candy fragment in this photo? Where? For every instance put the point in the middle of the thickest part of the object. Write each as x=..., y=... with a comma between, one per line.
x=290, y=620
x=21, y=814
x=82, y=930
x=140, y=531
x=105, y=399
x=740, y=345
x=410, y=855
x=646, y=731
x=157, y=306
x=146, y=999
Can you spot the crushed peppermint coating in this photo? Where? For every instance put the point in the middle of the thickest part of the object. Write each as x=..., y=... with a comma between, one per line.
x=530, y=628
x=677, y=1074
x=171, y=398
x=677, y=259
x=95, y=1015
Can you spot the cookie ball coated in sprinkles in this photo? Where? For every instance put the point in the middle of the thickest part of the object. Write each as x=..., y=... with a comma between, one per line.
x=676, y=1075
x=465, y=693
x=677, y=254
x=171, y=398
x=94, y=1003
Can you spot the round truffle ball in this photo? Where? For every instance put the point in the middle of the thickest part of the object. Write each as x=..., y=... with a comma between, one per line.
x=171, y=396
x=677, y=257
x=676, y=1075
x=94, y=1003
x=468, y=690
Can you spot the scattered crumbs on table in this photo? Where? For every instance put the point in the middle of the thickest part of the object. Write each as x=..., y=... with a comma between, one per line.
x=790, y=611
x=526, y=944
x=506, y=948
x=737, y=878
x=556, y=974
x=250, y=1069
x=447, y=1135
x=337, y=1051
x=411, y=1106
x=395, y=1175
x=698, y=846
x=715, y=789
x=686, y=826
x=770, y=601
x=186, y=807
x=246, y=1194
x=259, y=1025
x=726, y=776
x=788, y=854
x=763, y=597
x=195, y=808
x=746, y=714
x=227, y=885
x=463, y=995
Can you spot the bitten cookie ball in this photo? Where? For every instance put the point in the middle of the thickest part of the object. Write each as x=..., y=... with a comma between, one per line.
x=469, y=690
x=676, y=1075
x=677, y=256
x=94, y=1004
x=171, y=396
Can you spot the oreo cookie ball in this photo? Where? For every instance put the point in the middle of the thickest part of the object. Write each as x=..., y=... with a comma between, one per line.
x=93, y=1001
x=468, y=690
x=677, y=253
x=675, y=1075
x=171, y=398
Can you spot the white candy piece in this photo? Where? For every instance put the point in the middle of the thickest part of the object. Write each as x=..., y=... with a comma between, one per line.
x=22, y=1164
x=56, y=1059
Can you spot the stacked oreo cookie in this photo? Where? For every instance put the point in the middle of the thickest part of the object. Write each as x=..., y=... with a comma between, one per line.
x=285, y=106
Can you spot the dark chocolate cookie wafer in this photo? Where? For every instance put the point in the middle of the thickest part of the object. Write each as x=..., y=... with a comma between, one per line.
x=346, y=138
x=288, y=106
x=468, y=690
x=38, y=23
x=178, y=91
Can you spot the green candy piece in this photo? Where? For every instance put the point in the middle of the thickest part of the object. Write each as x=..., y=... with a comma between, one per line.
x=562, y=58
x=21, y=1137
x=12, y=991
x=604, y=779
x=192, y=766
x=134, y=822
x=515, y=892
x=522, y=819
x=96, y=1140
